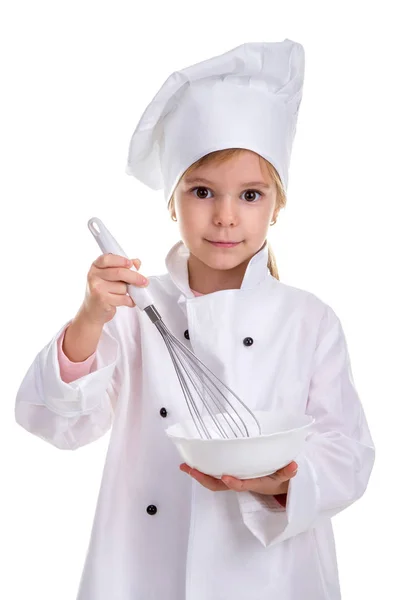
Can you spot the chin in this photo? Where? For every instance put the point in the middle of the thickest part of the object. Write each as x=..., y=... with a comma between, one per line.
x=222, y=262
x=217, y=258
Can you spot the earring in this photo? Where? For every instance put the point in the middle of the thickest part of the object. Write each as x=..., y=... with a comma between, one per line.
x=174, y=218
x=273, y=222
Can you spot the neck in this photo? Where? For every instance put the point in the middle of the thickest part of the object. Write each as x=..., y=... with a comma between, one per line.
x=205, y=280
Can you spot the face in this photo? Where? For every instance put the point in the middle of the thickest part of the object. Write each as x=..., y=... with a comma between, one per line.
x=230, y=202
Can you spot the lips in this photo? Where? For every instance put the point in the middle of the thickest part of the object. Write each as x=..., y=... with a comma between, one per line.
x=223, y=244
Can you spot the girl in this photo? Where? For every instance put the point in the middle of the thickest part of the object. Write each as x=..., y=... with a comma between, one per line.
x=217, y=139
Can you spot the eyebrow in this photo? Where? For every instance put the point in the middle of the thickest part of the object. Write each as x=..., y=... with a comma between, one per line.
x=191, y=180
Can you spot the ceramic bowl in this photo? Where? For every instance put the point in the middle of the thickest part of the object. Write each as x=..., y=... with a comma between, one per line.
x=282, y=439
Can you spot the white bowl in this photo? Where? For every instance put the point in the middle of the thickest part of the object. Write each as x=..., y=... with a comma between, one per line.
x=283, y=438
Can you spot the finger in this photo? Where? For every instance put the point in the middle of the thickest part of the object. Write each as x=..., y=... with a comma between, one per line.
x=286, y=473
x=185, y=468
x=261, y=485
x=270, y=484
x=137, y=262
x=117, y=287
x=213, y=484
x=105, y=261
x=123, y=274
x=237, y=485
x=120, y=300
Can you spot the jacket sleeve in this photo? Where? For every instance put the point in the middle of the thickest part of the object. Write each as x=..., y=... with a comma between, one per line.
x=70, y=415
x=336, y=464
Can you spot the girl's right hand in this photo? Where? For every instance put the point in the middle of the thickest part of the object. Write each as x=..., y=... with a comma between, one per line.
x=107, y=287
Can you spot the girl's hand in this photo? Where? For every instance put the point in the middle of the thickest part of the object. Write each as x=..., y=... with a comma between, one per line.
x=107, y=287
x=271, y=485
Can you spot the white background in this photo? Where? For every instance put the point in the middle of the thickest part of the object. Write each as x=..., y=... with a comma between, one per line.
x=76, y=77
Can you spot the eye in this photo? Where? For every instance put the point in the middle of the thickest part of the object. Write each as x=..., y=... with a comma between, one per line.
x=251, y=200
x=202, y=188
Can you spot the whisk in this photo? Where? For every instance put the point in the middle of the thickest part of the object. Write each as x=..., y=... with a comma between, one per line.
x=202, y=389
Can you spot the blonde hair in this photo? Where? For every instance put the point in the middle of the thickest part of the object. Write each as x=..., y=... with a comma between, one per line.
x=220, y=156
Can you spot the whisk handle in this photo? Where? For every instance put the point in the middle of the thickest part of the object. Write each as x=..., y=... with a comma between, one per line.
x=141, y=296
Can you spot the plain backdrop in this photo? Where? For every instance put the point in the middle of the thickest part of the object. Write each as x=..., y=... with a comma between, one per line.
x=75, y=78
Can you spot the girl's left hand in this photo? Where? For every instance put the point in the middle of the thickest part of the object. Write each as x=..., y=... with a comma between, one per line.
x=271, y=485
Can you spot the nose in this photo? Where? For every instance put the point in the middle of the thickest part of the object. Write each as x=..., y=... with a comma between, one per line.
x=225, y=211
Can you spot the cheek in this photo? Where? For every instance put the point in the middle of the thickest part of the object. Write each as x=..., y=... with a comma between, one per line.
x=191, y=227
x=257, y=220
x=192, y=218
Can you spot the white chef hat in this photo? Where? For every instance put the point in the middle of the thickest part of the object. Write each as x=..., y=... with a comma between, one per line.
x=248, y=97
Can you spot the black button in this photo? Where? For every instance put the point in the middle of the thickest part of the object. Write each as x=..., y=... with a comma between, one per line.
x=187, y=335
x=152, y=509
x=163, y=412
x=248, y=341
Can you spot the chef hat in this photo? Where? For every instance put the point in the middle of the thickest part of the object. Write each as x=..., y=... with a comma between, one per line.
x=248, y=97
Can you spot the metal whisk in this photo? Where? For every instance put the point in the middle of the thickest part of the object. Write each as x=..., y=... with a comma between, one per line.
x=202, y=389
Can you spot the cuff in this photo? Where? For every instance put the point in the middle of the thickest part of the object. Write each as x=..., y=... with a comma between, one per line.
x=84, y=394
x=270, y=524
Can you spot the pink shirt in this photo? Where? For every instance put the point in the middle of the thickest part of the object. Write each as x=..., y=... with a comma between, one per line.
x=70, y=371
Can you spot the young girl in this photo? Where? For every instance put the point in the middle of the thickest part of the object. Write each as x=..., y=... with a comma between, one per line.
x=217, y=139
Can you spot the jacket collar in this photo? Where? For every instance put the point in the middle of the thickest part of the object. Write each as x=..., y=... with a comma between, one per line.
x=176, y=262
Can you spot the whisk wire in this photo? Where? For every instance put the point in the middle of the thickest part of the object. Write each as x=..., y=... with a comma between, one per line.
x=213, y=394
x=200, y=393
x=192, y=406
x=202, y=380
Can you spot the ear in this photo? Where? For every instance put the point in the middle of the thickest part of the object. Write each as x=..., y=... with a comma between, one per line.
x=275, y=215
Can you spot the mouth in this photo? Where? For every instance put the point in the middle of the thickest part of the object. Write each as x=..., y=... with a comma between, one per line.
x=229, y=244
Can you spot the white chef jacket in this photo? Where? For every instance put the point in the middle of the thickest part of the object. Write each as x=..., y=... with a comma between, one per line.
x=157, y=533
